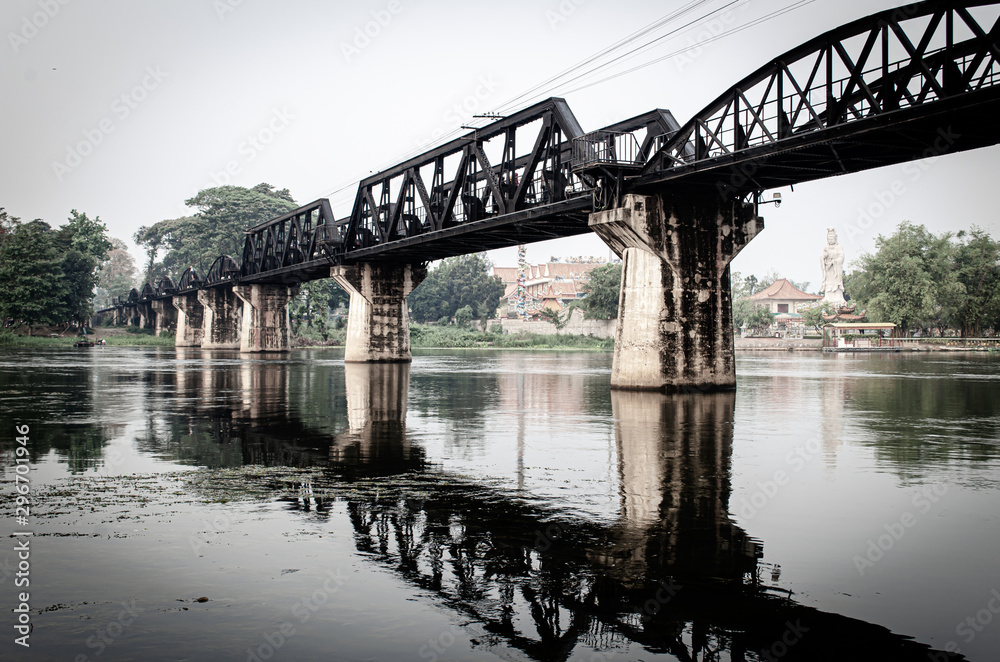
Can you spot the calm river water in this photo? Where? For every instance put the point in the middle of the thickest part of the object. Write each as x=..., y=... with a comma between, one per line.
x=195, y=505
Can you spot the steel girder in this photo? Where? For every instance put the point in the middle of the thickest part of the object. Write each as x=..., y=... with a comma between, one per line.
x=190, y=280
x=223, y=270
x=398, y=204
x=866, y=94
x=301, y=236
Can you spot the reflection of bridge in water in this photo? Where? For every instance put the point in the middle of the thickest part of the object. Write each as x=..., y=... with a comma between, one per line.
x=669, y=573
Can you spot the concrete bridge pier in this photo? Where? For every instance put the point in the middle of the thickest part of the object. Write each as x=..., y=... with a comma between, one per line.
x=220, y=318
x=675, y=331
x=378, y=323
x=265, y=327
x=190, y=320
x=166, y=316
x=146, y=315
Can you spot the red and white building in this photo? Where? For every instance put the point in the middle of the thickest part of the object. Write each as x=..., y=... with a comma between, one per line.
x=554, y=285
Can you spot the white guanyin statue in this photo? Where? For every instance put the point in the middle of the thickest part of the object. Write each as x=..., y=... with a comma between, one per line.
x=832, y=263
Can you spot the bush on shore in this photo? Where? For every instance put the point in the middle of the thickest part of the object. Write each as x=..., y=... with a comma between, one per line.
x=447, y=336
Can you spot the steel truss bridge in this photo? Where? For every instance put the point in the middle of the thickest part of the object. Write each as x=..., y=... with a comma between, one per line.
x=903, y=84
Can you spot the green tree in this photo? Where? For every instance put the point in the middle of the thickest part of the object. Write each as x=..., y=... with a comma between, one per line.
x=977, y=266
x=756, y=316
x=86, y=235
x=464, y=316
x=739, y=286
x=33, y=291
x=79, y=276
x=8, y=224
x=84, y=245
x=217, y=228
x=602, y=292
x=310, y=308
x=759, y=319
x=910, y=280
x=117, y=275
x=554, y=318
x=456, y=282
x=814, y=316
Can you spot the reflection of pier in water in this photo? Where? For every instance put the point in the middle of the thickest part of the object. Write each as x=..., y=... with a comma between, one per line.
x=673, y=575
x=224, y=411
x=228, y=411
x=377, y=395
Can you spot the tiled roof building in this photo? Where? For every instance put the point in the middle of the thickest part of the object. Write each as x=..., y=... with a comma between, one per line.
x=782, y=297
x=553, y=285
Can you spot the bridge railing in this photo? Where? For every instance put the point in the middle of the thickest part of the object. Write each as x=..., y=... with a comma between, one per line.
x=606, y=148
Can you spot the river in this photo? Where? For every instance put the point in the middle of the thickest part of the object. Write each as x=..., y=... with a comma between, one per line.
x=486, y=505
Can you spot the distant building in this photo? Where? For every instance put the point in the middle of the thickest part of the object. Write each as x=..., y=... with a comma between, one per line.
x=783, y=300
x=554, y=285
x=781, y=297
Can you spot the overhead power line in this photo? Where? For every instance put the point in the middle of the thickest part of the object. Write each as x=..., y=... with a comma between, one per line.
x=574, y=74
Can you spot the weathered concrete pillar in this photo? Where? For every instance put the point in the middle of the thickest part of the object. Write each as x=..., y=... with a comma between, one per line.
x=220, y=318
x=675, y=331
x=378, y=324
x=190, y=320
x=116, y=316
x=146, y=315
x=166, y=316
x=265, y=327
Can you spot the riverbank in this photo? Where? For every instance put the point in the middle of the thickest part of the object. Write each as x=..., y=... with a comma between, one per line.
x=425, y=336
x=453, y=337
x=778, y=344
x=115, y=336
x=909, y=344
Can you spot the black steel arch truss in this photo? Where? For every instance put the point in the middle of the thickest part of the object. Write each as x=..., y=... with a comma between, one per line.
x=164, y=287
x=223, y=270
x=190, y=280
x=881, y=90
x=301, y=236
x=465, y=186
x=893, y=66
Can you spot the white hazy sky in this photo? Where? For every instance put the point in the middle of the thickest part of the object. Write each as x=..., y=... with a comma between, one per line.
x=125, y=108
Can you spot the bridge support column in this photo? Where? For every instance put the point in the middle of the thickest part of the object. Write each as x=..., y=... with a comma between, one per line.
x=146, y=315
x=378, y=324
x=265, y=327
x=166, y=316
x=220, y=318
x=190, y=320
x=675, y=331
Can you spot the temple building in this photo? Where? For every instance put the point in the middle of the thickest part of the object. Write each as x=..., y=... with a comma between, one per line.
x=782, y=297
x=554, y=285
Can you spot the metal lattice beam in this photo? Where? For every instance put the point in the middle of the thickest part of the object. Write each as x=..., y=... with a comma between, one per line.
x=870, y=76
